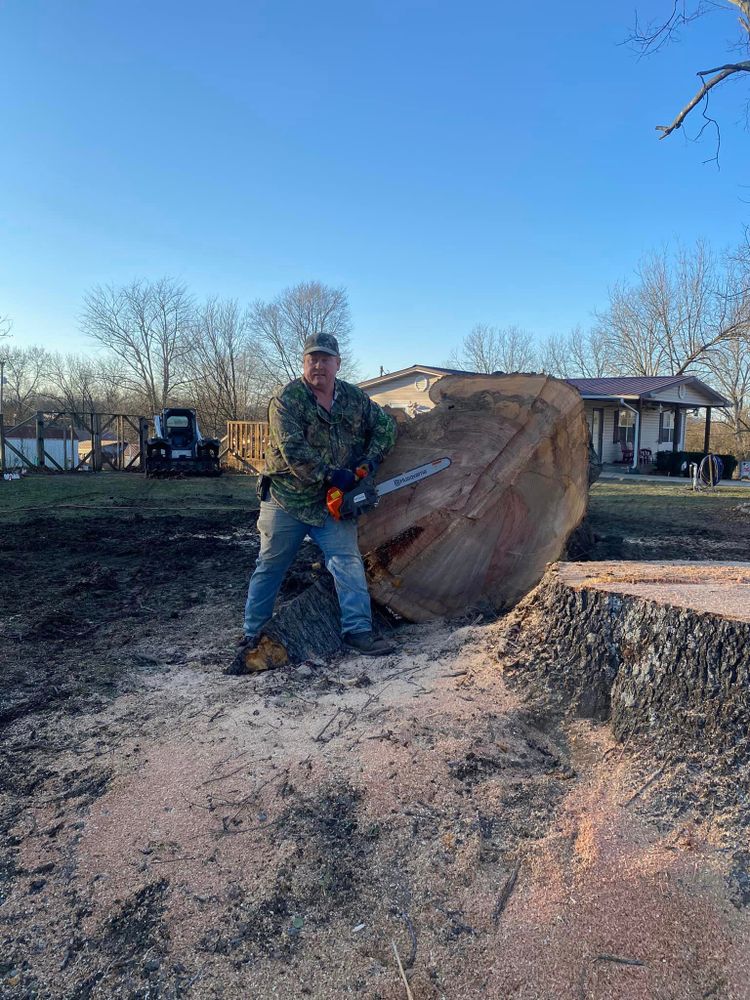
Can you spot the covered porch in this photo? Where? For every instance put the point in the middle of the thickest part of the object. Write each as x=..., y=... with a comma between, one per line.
x=632, y=419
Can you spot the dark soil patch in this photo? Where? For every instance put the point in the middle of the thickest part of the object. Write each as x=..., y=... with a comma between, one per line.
x=638, y=519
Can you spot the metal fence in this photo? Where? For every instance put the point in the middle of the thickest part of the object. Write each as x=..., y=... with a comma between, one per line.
x=50, y=441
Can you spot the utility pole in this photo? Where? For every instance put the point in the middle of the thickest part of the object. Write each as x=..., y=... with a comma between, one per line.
x=3, y=362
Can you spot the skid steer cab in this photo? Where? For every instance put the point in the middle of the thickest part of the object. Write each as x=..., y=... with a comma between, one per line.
x=178, y=448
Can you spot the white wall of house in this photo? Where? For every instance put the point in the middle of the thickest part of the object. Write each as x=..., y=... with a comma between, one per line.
x=405, y=392
x=58, y=448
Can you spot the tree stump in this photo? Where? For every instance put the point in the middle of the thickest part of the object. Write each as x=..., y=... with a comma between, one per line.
x=655, y=648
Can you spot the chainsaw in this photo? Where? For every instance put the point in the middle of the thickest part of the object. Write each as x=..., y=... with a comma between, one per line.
x=366, y=495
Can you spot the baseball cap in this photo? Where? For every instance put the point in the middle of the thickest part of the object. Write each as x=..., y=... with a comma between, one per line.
x=324, y=342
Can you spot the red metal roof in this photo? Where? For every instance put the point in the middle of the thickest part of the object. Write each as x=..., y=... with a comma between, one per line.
x=640, y=385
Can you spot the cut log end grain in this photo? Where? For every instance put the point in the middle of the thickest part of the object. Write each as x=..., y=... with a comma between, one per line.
x=483, y=530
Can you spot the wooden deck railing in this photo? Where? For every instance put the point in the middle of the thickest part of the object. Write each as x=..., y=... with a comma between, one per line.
x=244, y=447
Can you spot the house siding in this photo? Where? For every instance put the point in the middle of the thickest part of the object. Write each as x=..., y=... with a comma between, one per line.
x=650, y=432
x=691, y=397
x=403, y=392
x=59, y=450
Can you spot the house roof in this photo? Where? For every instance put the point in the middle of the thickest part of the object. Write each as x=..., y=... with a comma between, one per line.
x=642, y=387
x=427, y=369
x=628, y=386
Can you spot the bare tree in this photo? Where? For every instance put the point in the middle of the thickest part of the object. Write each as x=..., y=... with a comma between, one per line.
x=490, y=349
x=651, y=37
x=281, y=327
x=727, y=368
x=675, y=312
x=145, y=325
x=80, y=384
x=6, y=325
x=25, y=369
x=577, y=354
x=224, y=377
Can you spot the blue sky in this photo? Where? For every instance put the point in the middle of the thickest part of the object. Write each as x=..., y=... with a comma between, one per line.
x=447, y=163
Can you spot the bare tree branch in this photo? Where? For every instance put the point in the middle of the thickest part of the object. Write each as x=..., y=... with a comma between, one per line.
x=726, y=71
x=281, y=327
x=655, y=35
x=145, y=325
x=491, y=349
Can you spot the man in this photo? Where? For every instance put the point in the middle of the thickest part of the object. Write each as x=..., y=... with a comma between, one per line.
x=321, y=431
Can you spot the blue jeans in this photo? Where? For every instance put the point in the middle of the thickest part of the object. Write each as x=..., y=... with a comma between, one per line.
x=280, y=538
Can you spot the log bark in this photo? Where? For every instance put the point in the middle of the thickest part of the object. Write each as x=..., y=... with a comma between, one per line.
x=482, y=531
x=657, y=649
x=306, y=628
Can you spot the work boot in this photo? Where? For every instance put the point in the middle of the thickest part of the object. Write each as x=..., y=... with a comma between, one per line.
x=237, y=667
x=368, y=644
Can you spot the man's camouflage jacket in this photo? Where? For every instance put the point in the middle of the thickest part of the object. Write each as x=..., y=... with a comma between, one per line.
x=306, y=443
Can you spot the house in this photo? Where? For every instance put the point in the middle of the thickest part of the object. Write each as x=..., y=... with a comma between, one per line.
x=631, y=418
x=60, y=446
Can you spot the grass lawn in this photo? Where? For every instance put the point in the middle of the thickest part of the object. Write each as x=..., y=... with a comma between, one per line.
x=632, y=520
x=81, y=495
x=658, y=520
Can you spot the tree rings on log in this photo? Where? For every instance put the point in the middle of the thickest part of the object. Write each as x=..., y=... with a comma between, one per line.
x=483, y=530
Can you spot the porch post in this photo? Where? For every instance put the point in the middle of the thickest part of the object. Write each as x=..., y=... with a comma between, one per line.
x=96, y=442
x=677, y=429
x=707, y=433
x=637, y=437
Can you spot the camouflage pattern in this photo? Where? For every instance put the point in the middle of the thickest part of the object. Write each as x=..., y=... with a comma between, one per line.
x=306, y=442
x=324, y=342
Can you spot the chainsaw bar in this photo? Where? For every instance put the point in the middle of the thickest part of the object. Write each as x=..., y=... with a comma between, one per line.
x=412, y=476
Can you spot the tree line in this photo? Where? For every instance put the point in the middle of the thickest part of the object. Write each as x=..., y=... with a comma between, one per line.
x=685, y=311
x=157, y=346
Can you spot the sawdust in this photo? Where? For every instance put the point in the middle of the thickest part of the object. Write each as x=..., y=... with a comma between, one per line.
x=271, y=836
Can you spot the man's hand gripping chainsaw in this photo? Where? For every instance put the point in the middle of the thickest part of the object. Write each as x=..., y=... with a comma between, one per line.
x=358, y=500
x=364, y=495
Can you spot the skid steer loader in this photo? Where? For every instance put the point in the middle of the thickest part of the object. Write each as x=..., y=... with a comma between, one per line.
x=178, y=447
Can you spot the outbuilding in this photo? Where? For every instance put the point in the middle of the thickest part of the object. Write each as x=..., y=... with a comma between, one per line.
x=60, y=445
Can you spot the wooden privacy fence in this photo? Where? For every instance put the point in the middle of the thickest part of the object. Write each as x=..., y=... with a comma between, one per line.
x=244, y=447
x=50, y=441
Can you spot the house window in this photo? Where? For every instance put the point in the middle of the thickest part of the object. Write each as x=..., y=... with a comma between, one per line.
x=666, y=427
x=624, y=430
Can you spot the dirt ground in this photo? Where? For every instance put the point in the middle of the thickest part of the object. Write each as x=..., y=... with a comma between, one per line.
x=168, y=831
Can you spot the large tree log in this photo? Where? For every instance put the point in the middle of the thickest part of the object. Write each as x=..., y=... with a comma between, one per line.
x=483, y=530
